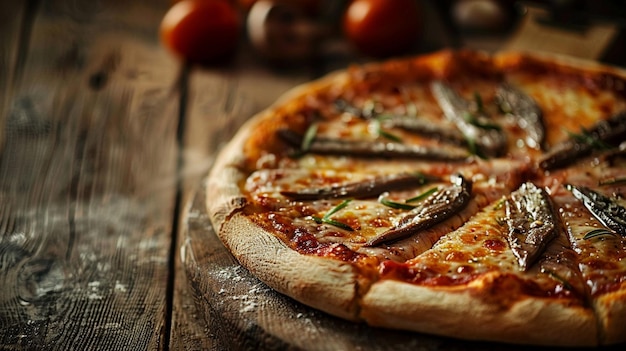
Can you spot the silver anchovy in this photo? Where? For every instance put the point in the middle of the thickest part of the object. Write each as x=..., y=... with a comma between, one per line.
x=488, y=138
x=380, y=149
x=603, y=135
x=527, y=113
x=425, y=128
x=531, y=221
x=362, y=189
x=412, y=124
x=438, y=207
x=607, y=211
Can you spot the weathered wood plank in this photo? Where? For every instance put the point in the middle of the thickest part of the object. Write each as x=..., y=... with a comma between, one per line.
x=87, y=180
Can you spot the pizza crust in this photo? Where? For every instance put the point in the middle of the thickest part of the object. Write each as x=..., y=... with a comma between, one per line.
x=327, y=285
x=611, y=311
x=461, y=312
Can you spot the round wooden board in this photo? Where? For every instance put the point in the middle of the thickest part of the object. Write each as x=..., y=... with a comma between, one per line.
x=242, y=313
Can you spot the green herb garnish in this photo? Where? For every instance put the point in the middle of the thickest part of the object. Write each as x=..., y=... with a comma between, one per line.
x=406, y=204
x=423, y=195
x=338, y=208
x=558, y=278
x=383, y=133
x=471, y=119
x=309, y=136
x=389, y=136
x=327, y=220
x=586, y=137
x=478, y=100
x=333, y=223
x=472, y=147
x=396, y=205
x=500, y=203
x=598, y=233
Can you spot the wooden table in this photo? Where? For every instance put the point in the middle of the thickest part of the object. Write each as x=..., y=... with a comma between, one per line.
x=104, y=140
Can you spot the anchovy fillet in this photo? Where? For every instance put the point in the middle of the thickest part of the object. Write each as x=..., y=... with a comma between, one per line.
x=363, y=189
x=490, y=142
x=435, y=209
x=412, y=124
x=425, y=128
x=372, y=148
x=527, y=113
x=607, y=211
x=531, y=221
x=610, y=131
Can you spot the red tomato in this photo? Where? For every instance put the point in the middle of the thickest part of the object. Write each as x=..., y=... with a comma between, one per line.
x=382, y=27
x=201, y=31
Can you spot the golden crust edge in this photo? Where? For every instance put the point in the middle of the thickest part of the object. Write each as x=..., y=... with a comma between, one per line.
x=611, y=309
x=326, y=285
x=457, y=312
x=505, y=57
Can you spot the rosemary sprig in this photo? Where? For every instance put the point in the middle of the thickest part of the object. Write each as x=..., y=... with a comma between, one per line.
x=587, y=138
x=472, y=147
x=599, y=233
x=327, y=220
x=471, y=119
x=406, y=204
x=422, y=196
x=383, y=133
x=478, y=100
x=308, y=138
x=558, y=278
x=333, y=223
x=395, y=205
x=500, y=203
x=338, y=208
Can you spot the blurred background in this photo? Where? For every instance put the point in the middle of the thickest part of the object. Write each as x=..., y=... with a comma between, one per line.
x=289, y=33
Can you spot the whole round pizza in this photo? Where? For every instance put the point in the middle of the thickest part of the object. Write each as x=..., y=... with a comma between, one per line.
x=459, y=193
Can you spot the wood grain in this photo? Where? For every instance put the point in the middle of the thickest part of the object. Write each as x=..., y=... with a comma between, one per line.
x=87, y=180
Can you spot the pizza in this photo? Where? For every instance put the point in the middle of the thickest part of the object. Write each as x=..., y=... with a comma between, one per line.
x=458, y=193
